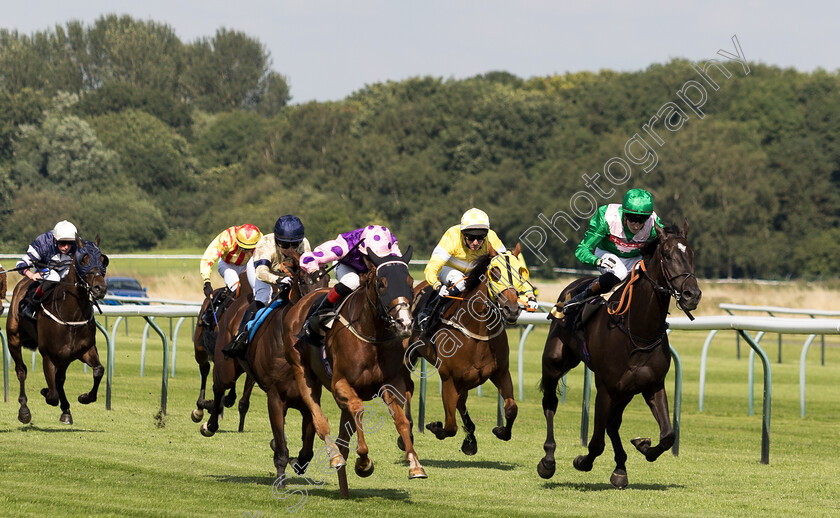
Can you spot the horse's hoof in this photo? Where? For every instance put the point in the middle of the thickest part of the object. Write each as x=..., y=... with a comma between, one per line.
x=417, y=472
x=470, y=445
x=581, y=464
x=502, y=433
x=197, y=415
x=85, y=398
x=337, y=462
x=66, y=418
x=51, y=402
x=273, y=445
x=619, y=479
x=439, y=431
x=362, y=470
x=207, y=404
x=545, y=468
x=299, y=469
x=641, y=443
x=24, y=416
x=229, y=401
x=205, y=431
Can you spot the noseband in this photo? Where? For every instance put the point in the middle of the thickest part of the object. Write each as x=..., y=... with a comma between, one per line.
x=669, y=282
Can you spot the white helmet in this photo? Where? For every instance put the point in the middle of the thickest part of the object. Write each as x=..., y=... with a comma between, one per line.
x=475, y=219
x=64, y=231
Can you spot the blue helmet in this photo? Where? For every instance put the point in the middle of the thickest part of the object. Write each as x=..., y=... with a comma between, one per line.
x=288, y=228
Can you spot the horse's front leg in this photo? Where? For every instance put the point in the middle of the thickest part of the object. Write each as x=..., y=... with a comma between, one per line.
x=277, y=418
x=245, y=401
x=91, y=357
x=619, y=475
x=657, y=400
x=501, y=378
x=470, y=445
x=350, y=403
x=307, y=438
x=64, y=404
x=415, y=469
x=209, y=428
x=450, y=401
x=203, y=361
x=49, y=392
x=548, y=385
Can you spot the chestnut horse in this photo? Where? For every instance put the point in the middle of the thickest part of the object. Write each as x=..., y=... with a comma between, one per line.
x=365, y=346
x=626, y=347
x=64, y=329
x=267, y=365
x=469, y=345
x=204, y=339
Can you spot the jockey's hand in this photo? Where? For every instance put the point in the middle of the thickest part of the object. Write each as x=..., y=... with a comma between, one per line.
x=443, y=291
x=285, y=282
x=310, y=267
x=607, y=263
x=36, y=276
x=208, y=289
x=531, y=305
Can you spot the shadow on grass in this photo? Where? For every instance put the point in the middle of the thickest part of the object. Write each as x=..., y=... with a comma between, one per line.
x=331, y=492
x=63, y=429
x=577, y=486
x=456, y=464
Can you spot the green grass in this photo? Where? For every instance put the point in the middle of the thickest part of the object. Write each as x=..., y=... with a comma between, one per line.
x=122, y=463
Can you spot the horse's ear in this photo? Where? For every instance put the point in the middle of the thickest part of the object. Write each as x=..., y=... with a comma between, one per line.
x=660, y=230
x=372, y=257
x=105, y=261
x=79, y=242
x=96, y=240
x=407, y=255
x=685, y=227
x=517, y=250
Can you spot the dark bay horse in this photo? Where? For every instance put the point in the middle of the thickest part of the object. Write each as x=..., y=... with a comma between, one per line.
x=64, y=330
x=365, y=346
x=469, y=345
x=267, y=365
x=205, y=339
x=626, y=347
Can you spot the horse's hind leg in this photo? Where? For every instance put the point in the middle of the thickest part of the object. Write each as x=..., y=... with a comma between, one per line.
x=91, y=357
x=204, y=369
x=596, y=443
x=209, y=428
x=24, y=415
x=548, y=384
x=503, y=382
x=307, y=437
x=245, y=401
x=277, y=418
x=657, y=400
x=470, y=445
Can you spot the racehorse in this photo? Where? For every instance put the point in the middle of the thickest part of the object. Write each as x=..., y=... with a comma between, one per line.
x=64, y=329
x=626, y=347
x=267, y=365
x=469, y=345
x=204, y=339
x=365, y=346
x=3, y=289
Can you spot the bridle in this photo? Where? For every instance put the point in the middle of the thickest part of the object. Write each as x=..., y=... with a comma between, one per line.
x=669, y=281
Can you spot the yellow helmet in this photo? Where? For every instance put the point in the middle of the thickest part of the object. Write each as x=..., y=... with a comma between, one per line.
x=247, y=236
x=475, y=219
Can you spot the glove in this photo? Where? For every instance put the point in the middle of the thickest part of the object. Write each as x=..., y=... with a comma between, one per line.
x=443, y=291
x=607, y=263
x=285, y=282
x=532, y=305
x=208, y=289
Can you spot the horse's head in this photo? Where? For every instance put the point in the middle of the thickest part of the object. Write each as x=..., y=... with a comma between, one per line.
x=675, y=258
x=302, y=281
x=394, y=289
x=507, y=282
x=90, y=265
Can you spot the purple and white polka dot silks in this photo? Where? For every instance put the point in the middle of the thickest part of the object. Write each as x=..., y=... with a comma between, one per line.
x=376, y=238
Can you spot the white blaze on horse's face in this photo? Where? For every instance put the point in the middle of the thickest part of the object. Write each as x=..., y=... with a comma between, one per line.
x=681, y=247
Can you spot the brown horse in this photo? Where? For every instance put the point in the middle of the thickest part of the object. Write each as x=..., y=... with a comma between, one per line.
x=469, y=345
x=365, y=346
x=267, y=365
x=626, y=347
x=205, y=338
x=64, y=329
x=3, y=289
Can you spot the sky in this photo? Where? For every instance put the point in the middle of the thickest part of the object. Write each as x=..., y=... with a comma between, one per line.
x=329, y=49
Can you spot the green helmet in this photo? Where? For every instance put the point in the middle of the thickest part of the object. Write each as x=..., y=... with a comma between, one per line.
x=638, y=201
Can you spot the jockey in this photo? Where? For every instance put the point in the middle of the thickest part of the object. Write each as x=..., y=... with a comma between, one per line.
x=612, y=244
x=51, y=254
x=270, y=266
x=349, y=250
x=455, y=256
x=233, y=247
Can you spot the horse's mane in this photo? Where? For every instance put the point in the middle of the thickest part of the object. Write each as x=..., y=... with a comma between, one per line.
x=650, y=248
x=476, y=275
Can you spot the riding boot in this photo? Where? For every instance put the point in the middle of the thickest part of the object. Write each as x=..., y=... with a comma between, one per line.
x=208, y=318
x=238, y=348
x=29, y=303
x=317, y=323
x=424, y=318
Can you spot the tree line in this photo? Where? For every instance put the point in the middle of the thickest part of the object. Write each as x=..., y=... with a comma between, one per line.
x=157, y=143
